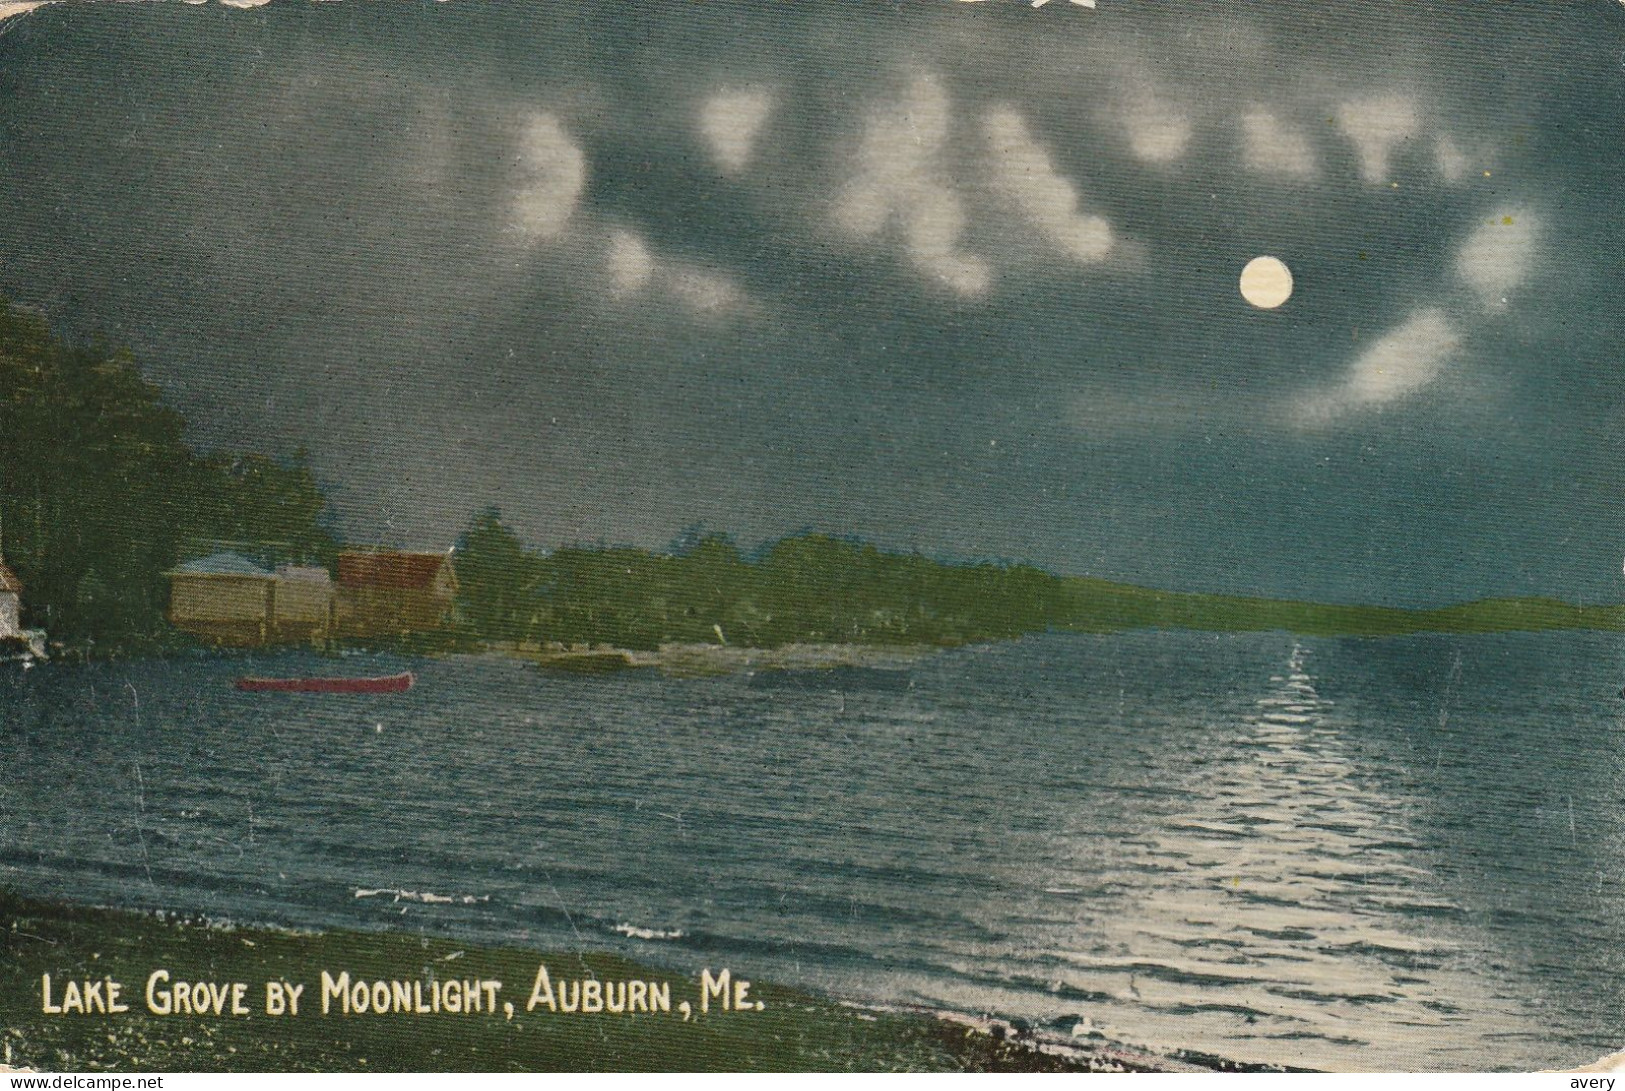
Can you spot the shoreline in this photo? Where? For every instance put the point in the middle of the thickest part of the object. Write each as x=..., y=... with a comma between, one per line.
x=88, y=950
x=683, y=660
x=692, y=659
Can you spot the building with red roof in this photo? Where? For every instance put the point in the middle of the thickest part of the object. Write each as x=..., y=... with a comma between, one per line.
x=387, y=592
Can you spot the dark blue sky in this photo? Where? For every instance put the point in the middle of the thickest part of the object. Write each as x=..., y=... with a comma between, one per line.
x=958, y=277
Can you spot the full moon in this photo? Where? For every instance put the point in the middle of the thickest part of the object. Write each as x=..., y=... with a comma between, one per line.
x=1266, y=282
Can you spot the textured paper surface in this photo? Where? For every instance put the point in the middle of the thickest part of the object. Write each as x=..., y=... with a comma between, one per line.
x=1095, y=521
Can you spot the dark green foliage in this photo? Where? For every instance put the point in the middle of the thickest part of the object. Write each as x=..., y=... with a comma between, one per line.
x=813, y=588
x=809, y=588
x=495, y=578
x=99, y=490
x=254, y=499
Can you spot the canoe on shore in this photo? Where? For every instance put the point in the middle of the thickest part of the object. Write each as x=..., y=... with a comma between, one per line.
x=392, y=683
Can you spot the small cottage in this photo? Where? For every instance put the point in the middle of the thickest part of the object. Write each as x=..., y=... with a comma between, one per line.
x=11, y=603
x=16, y=642
x=392, y=592
x=224, y=598
x=302, y=604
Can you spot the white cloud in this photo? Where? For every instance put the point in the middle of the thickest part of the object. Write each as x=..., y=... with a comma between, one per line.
x=1157, y=131
x=707, y=293
x=730, y=122
x=1398, y=364
x=1450, y=161
x=629, y=262
x=1374, y=126
x=1023, y=169
x=1496, y=257
x=1403, y=361
x=634, y=269
x=897, y=157
x=554, y=172
x=1269, y=147
x=900, y=178
x=932, y=226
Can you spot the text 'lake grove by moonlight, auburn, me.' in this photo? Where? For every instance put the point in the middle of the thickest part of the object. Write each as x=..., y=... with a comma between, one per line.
x=344, y=993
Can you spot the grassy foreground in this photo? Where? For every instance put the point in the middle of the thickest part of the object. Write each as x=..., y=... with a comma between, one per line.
x=792, y=1031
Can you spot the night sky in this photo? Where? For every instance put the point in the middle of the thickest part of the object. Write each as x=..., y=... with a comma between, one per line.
x=954, y=277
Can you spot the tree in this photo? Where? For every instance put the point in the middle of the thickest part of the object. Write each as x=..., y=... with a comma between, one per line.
x=496, y=579
x=99, y=488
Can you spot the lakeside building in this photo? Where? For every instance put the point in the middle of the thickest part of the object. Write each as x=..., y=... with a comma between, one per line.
x=16, y=642
x=304, y=605
x=11, y=603
x=394, y=592
x=228, y=599
x=224, y=598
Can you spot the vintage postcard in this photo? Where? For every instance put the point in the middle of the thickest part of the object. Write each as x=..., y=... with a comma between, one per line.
x=945, y=534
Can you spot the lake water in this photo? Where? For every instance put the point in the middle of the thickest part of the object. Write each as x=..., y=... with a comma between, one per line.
x=1348, y=854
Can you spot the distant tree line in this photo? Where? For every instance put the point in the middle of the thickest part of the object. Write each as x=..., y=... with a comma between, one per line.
x=815, y=588
x=805, y=588
x=100, y=490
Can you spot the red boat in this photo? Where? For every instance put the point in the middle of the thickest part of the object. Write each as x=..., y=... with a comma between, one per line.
x=393, y=683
